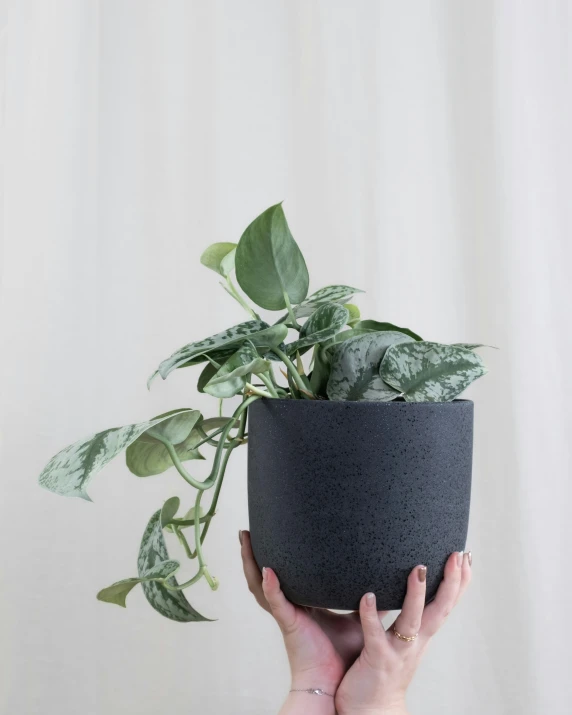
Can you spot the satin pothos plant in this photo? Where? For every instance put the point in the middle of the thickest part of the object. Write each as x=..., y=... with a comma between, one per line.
x=319, y=349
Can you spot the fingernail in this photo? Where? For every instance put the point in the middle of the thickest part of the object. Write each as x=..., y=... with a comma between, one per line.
x=422, y=573
x=470, y=557
x=460, y=555
x=240, y=536
x=264, y=573
x=370, y=599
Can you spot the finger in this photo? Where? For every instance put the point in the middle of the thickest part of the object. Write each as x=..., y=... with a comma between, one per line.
x=408, y=622
x=465, y=574
x=436, y=612
x=251, y=570
x=283, y=611
x=374, y=637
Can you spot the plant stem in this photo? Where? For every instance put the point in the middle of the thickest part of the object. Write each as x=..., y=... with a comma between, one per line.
x=293, y=320
x=257, y=391
x=211, y=479
x=186, y=584
x=300, y=384
x=271, y=389
x=230, y=288
x=184, y=543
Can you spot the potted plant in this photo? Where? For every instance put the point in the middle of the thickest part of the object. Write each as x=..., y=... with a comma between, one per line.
x=359, y=452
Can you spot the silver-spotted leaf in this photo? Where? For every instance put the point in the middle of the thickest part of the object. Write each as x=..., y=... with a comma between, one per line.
x=430, y=372
x=377, y=326
x=330, y=345
x=232, y=376
x=355, y=368
x=118, y=592
x=219, y=257
x=148, y=456
x=269, y=262
x=225, y=343
x=153, y=551
x=69, y=472
x=329, y=294
x=323, y=324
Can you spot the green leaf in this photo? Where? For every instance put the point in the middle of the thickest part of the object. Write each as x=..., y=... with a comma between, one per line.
x=329, y=294
x=223, y=345
x=375, y=325
x=214, y=423
x=430, y=372
x=355, y=368
x=269, y=263
x=232, y=376
x=153, y=551
x=69, y=472
x=147, y=456
x=207, y=372
x=323, y=324
x=190, y=515
x=118, y=592
x=219, y=257
x=169, y=510
x=353, y=310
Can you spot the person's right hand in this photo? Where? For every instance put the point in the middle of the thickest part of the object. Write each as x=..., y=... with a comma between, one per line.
x=377, y=682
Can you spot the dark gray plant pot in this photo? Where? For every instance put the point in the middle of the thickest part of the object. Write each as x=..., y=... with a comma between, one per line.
x=347, y=497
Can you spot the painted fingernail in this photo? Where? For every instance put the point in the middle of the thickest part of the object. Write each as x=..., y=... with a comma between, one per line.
x=470, y=557
x=370, y=599
x=264, y=573
x=240, y=536
x=422, y=573
x=460, y=555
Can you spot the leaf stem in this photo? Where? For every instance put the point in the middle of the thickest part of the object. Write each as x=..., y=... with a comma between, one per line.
x=231, y=290
x=268, y=382
x=258, y=391
x=293, y=320
x=296, y=377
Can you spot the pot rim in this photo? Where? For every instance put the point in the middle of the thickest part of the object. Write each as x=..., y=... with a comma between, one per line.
x=365, y=404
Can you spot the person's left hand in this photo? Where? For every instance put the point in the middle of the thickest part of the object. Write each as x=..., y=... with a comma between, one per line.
x=321, y=645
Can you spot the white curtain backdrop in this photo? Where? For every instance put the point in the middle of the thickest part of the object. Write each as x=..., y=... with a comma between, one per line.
x=424, y=152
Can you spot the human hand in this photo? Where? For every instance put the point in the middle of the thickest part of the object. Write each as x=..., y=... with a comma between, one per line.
x=377, y=682
x=321, y=645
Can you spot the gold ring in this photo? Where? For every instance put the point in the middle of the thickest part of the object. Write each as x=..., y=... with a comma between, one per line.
x=407, y=639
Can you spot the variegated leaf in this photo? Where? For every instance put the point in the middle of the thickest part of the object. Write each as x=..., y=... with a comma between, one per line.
x=330, y=345
x=377, y=326
x=355, y=368
x=260, y=333
x=69, y=471
x=269, y=263
x=207, y=373
x=219, y=257
x=232, y=376
x=153, y=550
x=118, y=592
x=329, y=294
x=430, y=372
x=147, y=456
x=323, y=324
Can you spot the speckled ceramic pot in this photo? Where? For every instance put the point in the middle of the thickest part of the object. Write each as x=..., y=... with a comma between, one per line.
x=347, y=497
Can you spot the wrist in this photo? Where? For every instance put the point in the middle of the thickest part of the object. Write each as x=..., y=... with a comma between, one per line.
x=303, y=702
